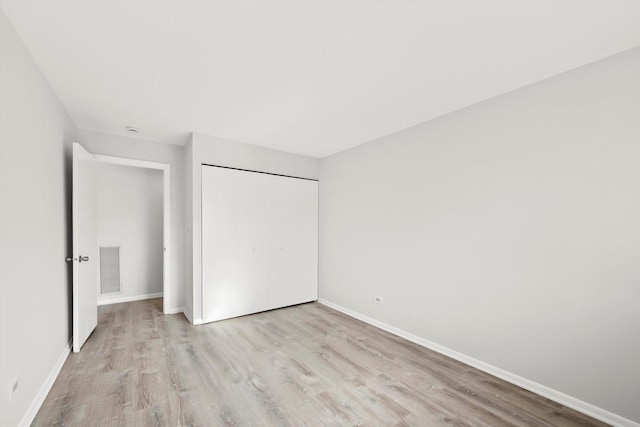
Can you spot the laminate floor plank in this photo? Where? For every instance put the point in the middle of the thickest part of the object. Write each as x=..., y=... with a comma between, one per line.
x=305, y=365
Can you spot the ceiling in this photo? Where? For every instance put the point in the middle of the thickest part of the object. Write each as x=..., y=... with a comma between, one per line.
x=308, y=77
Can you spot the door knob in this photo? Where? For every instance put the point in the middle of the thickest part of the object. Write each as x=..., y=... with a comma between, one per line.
x=79, y=259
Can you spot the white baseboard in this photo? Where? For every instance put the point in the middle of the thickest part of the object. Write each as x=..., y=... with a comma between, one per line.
x=188, y=315
x=31, y=413
x=175, y=310
x=542, y=390
x=116, y=300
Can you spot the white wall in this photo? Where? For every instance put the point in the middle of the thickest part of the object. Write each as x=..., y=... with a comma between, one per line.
x=508, y=231
x=130, y=215
x=139, y=149
x=35, y=204
x=204, y=149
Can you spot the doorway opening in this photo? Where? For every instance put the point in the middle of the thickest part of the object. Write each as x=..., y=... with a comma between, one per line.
x=165, y=170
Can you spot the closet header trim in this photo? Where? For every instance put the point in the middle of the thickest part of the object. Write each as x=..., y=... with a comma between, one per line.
x=266, y=173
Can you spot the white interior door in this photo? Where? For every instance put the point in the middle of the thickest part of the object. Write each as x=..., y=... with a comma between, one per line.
x=85, y=247
x=234, y=243
x=293, y=229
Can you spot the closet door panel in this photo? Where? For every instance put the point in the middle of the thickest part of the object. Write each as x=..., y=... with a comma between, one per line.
x=293, y=236
x=234, y=243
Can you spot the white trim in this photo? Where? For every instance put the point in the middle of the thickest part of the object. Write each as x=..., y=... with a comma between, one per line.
x=188, y=315
x=116, y=300
x=166, y=234
x=166, y=237
x=542, y=390
x=38, y=400
x=176, y=310
x=130, y=162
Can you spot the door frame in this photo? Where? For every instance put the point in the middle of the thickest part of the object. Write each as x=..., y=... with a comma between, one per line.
x=166, y=214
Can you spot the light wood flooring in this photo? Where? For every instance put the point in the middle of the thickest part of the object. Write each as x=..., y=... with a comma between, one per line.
x=303, y=365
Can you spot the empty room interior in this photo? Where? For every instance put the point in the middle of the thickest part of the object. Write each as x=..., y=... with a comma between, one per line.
x=402, y=213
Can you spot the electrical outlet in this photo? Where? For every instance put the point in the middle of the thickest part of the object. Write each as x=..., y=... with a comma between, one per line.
x=378, y=300
x=14, y=387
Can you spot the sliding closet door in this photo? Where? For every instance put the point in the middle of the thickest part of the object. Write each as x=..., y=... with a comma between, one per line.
x=235, y=243
x=293, y=238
